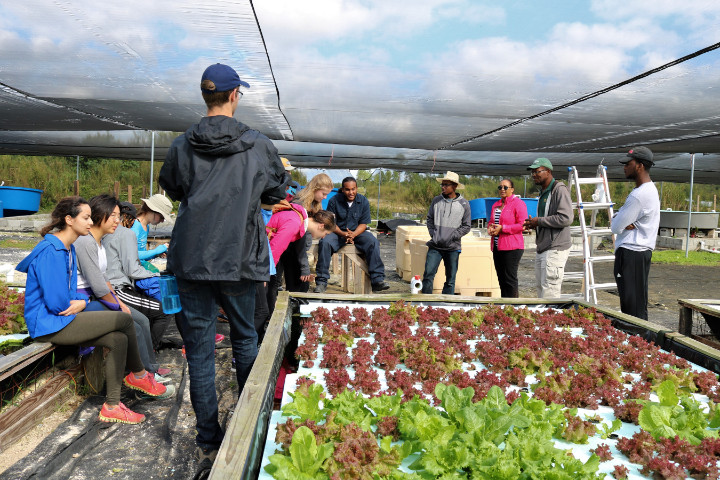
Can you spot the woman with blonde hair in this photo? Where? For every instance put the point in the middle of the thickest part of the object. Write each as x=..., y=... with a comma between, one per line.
x=317, y=190
x=293, y=263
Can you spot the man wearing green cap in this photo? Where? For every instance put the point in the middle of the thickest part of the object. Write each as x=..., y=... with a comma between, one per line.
x=552, y=228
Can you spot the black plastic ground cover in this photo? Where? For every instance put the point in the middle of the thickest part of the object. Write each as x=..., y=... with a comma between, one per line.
x=83, y=448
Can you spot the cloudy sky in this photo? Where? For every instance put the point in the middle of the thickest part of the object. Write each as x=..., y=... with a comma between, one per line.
x=448, y=49
x=384, y=70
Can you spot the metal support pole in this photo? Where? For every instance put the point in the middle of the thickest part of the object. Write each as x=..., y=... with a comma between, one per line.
x=77, y=167
x=661, y=189
x=690, y=203
x=152, y=160
x=524, y=185
x=378, y=205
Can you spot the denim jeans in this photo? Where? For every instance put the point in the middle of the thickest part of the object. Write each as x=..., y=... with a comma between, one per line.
x=365, y=243
x=200, y=300
x=432, y=262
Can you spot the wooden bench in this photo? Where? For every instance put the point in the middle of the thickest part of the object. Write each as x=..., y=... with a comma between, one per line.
x=708, y=310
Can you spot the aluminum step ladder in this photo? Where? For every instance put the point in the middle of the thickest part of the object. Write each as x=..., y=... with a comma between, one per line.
x=590, y=230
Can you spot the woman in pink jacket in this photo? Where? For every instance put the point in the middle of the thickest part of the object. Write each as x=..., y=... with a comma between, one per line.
x=289, y=222
x=505, y=225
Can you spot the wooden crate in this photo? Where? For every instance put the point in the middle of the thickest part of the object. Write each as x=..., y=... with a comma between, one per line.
x=355, y=274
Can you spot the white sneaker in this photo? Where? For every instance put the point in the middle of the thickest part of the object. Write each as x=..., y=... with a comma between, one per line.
x=169, y=392
x=160, y=379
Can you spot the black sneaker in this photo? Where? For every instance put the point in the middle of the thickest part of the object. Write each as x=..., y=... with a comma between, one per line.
x=320, y=287
x=380, y=286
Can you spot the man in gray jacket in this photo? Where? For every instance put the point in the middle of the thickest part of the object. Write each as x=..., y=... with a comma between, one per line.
x=552, y=227
x=448, y=220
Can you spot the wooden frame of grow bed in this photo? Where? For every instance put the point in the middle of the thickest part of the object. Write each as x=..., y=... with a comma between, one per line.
x=241, y=451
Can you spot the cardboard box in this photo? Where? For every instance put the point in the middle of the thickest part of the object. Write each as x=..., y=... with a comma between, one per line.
x=476, y=274
x=403, y=235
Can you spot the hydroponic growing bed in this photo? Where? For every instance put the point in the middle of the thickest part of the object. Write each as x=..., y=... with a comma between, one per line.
x=485, y=391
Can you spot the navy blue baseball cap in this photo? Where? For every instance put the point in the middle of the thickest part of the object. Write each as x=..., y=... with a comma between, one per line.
x=224, y=78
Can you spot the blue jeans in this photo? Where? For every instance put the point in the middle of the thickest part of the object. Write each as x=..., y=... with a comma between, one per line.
x=200, y=300
x=365, y=243
x=432, y=262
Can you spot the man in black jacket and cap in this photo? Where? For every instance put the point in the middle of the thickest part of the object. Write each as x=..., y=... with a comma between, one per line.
x=220, y=170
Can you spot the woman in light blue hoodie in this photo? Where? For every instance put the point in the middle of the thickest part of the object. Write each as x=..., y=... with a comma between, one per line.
x=55, y=312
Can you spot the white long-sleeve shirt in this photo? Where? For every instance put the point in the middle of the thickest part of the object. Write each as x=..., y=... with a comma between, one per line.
x=642, y=209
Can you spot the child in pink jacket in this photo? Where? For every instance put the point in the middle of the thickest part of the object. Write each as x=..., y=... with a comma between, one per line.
x=505, y=225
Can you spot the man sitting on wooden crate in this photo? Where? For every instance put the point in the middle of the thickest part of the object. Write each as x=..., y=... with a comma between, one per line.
x=352, y=215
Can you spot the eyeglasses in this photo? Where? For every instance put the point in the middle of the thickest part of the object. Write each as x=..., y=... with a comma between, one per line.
x=538, y=171
x=503, y=187
x=239, y=92
x=446, y=185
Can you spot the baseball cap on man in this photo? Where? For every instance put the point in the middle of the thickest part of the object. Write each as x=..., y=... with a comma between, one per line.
x=541, y=162
x=224, y=78
x=641, y=154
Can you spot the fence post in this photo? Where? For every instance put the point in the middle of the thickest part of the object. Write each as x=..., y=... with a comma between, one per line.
x=116, y=189
x=129, y=193
x=76, y=188
x=144, y=191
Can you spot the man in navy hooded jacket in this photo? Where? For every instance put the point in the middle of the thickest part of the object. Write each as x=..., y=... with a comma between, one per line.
x=220, y=170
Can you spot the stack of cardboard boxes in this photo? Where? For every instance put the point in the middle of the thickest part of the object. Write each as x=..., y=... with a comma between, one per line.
x=476, y=272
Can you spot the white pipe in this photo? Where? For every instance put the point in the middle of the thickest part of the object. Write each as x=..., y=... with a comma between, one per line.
x=690, y=203
x=152, y=160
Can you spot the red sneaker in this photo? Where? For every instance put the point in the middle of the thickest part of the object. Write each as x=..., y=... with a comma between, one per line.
x=219, y=337
x=120, y=414
x=147, y=384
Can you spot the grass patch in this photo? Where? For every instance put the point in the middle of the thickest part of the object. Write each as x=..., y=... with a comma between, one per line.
x=694, y=258
x=28, y=244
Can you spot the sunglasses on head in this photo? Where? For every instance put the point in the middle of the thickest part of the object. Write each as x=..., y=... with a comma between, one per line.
x=503, y=187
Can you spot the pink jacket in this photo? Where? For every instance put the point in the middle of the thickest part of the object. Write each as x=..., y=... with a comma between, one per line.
x=512, y=218
x=284, y=227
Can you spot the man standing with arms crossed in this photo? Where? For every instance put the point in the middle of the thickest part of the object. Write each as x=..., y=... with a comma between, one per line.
x=552, y=228
x=636, y=226
x=220, y=170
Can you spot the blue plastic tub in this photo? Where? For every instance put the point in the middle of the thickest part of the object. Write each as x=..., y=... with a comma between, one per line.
x=332, y=193
x=19, y=201
x=530, y=203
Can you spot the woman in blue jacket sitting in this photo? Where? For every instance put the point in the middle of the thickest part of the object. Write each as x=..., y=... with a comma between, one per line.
x=55, y=312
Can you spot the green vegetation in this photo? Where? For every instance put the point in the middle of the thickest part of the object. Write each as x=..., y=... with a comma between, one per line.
x=694, y=258
x=28, y=244
x=55, y=176
x=400, y=192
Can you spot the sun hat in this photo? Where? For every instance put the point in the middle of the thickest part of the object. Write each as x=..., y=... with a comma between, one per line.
x=641, y=154
x=224, y=77
x=159, y=204
x=452, y=177
x=127, y=208
x=286, y=164
x=541, y=162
